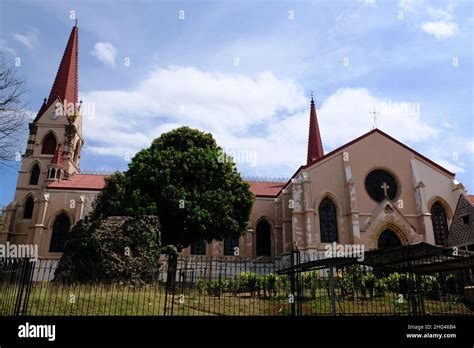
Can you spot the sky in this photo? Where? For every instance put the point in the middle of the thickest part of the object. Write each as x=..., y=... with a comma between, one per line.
x=244, y=71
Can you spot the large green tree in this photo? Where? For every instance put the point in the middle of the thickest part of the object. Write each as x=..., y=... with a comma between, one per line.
x=188, y=182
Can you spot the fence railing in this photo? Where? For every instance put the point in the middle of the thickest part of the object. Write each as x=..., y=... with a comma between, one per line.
x=200, y=286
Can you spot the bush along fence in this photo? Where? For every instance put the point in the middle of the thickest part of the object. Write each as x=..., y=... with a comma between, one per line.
x=200, y=286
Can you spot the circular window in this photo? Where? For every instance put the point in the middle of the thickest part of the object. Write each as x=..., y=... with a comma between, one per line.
x=380, y=184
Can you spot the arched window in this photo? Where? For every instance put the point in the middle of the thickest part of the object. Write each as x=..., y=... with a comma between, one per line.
x=264, y=239
x=229, y=246
x=60, y=233
x=440, y=224
x=328, y=221
x=49, y=144
x=35, y=173
x=29, y=205
x=198, y=248
x=388, y=239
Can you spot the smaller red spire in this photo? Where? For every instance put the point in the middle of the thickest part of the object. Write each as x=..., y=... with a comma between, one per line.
x=57, y=158
x=315, y=145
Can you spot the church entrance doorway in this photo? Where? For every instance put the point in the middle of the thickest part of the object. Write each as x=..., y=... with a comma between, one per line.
x=388, y=239
x=264, y=239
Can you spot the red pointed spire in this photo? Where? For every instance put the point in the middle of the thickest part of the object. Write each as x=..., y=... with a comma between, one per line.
x=65, y=85
x=315, y=145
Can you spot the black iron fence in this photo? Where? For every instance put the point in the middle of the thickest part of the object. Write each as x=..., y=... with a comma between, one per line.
x=359, y=290
x=15, y=285
x=181, y=286
x=200, y=286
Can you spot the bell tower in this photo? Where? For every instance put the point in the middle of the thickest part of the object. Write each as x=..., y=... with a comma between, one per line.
x=54, y=144
x=55, y=139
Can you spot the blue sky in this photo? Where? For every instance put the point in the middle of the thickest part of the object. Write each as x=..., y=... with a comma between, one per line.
x=245, y=71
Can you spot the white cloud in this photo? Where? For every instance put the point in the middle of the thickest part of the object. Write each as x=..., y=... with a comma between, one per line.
x=237, y=109
x=438, y=21
x=346, y=115
x=449, y=166
x=5, y=48
x=105, y=52
x=440, y=13
x=370, y=3
x=29, y=40
x=440, y=29
x=447, y=124
x=470, y=146
x=265, y=115
x=410, y=5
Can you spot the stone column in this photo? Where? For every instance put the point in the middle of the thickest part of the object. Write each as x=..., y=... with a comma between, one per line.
x=297, y=217
x=287, y=231
x=79, y=213
x=278, y=228
x=40, y=229
x=311, y=237
x=248, y=241
x=422, y=204
x=352, y=197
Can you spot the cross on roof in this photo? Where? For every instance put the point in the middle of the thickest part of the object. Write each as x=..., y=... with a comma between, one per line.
x=385, y=188
x=374, y=113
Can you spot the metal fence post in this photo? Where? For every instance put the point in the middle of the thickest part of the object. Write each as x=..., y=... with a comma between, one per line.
x=21, y=303
x=333, y=292
x=295, y=301
x=292, y=283
x=170, y=281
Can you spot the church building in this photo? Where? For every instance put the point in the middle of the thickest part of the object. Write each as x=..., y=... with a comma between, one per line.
x=373, y=191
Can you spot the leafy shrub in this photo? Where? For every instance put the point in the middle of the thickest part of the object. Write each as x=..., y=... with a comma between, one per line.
x=368, y=284
x=215, y=287
x=380, y=287
x=201, y=285
x=283, y=284
x=115, y=249
x=246, y=282
x=397, y=283
x=451, y=284
x=270, y=284
x=346, y=284
x=310, y=281
x=430, y=287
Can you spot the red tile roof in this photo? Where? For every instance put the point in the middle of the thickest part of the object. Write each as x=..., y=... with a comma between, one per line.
x=471, y=198
x=266, y=189
x=94, y=182
x=89, y=182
